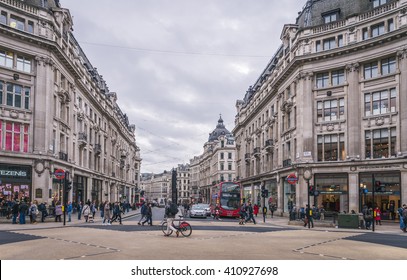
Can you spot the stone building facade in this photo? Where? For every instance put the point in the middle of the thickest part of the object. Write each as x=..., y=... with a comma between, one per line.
x=332, y=100
x=56, y=112
x=215, y=164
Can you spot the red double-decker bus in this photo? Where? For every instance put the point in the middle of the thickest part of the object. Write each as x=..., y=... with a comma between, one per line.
x=227, y=196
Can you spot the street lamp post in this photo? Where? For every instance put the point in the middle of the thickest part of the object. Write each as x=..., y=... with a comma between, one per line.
x=307, y=176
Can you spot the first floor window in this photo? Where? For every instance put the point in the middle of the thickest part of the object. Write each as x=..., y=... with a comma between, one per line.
x=380, y=143
x=370, y=70
x=331, y=110
x=331, y=147
x=23, y=64
x=16, y=137
x=6, y=59
x=380, y=102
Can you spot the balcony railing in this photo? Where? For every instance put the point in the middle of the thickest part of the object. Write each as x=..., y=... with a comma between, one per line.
x=286, y=162
x=97, y=148
x=63, y=156
x=256, y=151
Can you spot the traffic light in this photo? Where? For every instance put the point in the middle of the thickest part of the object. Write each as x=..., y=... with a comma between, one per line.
x=264, y=193
x=311, y=190
x=68, y=185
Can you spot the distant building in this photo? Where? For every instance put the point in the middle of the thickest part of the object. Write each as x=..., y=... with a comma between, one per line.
x=183, y=183
x=156, y=186
x=216, y=164
x=332, y=101
x=56, y=112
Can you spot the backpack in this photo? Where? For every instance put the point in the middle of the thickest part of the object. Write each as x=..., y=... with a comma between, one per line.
x=173, y=209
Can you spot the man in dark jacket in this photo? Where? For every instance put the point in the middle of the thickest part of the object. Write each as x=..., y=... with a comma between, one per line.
x=14, y=211
x=23, y=208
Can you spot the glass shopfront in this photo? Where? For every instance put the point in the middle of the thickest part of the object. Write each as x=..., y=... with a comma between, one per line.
x=247, y=193
x=387, y=193
x=289, y=195
x=272, y=199
x=16, y=182
x=96, y=191
x=332, y=190
x=79, y=190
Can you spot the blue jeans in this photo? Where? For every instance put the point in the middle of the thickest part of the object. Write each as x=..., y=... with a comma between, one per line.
x=69, y=216
x=15, y=218
x=22, y=218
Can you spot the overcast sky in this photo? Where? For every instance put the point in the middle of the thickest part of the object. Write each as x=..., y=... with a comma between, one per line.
x=177, y=64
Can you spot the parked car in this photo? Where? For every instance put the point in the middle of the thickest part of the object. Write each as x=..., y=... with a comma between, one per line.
x=207, y=208
x=197, y=210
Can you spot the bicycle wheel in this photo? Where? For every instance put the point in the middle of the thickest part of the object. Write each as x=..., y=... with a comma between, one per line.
x=185, y=229
x=164, y=228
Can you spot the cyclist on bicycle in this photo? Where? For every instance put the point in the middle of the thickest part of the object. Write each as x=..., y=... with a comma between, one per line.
x=171, y=209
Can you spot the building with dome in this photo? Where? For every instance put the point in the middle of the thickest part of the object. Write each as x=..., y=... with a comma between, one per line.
x=57, y=113
x=326, y=120
x=215, y=164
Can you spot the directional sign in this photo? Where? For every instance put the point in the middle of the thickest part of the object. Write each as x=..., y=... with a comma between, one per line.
x=59, y=174
x=292, y=179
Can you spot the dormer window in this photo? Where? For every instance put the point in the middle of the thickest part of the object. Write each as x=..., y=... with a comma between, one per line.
x=377, y=3
x=331, y=16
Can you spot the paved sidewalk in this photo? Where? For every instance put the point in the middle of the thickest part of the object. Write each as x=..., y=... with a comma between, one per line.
x=5, y=224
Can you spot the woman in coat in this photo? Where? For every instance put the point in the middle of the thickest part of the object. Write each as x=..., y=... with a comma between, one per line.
x=378, y=215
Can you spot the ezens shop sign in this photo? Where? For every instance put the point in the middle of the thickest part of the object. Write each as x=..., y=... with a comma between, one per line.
x=15, y=172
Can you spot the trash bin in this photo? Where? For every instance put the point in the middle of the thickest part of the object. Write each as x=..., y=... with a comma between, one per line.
x=348, y=221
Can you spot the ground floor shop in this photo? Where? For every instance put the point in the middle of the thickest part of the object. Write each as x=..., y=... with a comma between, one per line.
x=336, y=190
x=16, y=182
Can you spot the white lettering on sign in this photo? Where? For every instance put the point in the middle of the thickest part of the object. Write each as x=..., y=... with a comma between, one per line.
x=13, y=173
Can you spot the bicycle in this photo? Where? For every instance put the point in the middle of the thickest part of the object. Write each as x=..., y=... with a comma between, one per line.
x=182, y=226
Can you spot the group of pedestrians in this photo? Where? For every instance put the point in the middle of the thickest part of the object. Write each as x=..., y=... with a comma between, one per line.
x=146, y=212
x=246, y=213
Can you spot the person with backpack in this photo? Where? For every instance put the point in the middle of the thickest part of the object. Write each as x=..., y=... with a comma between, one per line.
x=171, y=209
x=242, y=213
x=143, y=212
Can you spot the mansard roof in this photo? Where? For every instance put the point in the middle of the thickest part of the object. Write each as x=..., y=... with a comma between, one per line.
x=219, y=131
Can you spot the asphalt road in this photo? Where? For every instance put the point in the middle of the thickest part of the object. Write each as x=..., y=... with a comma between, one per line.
x=210, y=240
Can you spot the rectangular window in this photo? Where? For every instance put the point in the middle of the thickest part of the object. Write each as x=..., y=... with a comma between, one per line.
x=330, y=17
x=318, y=46
x=390, y=25
x=229, y=155
x=331, y=147
x=377, y=3
x=370, y=70
x=322, y=80
x=16, y=22
x=380, y=143
x=30, y=27
x=365, y=34
x=16, y=137
x=377, y=29
x=329, y=43
x=221, y=155
x=14, y=95
x=340, y=40
x=23, y=64
x=6, y=59
x=331, y=110
x=3, y=18
x=380, y=102
x=388, y=65
x=27, y=98
x=1, y=92
x=338, y=77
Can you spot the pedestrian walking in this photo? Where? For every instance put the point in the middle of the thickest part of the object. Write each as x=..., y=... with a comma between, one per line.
x=22, y=210
x=14, y=211
x=58, y=211
x=69, y=209
x=107, y=217
x=79, y=209
x=86, y=211
x=34, y=212
x=249, y=213
x=378, y=215
x=149, y=215
x=242, y=213
x=143, y=212
x=255, y=209
x=402, y=211
x=308, y=219
x=367, y=216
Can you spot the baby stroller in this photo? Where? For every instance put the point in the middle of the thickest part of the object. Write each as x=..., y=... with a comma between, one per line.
x=90, y=218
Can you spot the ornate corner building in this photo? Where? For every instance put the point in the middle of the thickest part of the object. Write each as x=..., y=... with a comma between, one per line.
x=331, y=100
x=56, y=112
x=216, y=164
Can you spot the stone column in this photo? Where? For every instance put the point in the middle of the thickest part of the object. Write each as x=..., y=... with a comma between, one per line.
x=353, y=190
x=353, y=111
x=402, y=56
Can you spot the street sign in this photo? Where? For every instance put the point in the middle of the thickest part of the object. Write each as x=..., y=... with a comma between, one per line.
x=59, y=174
x=292, y=179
